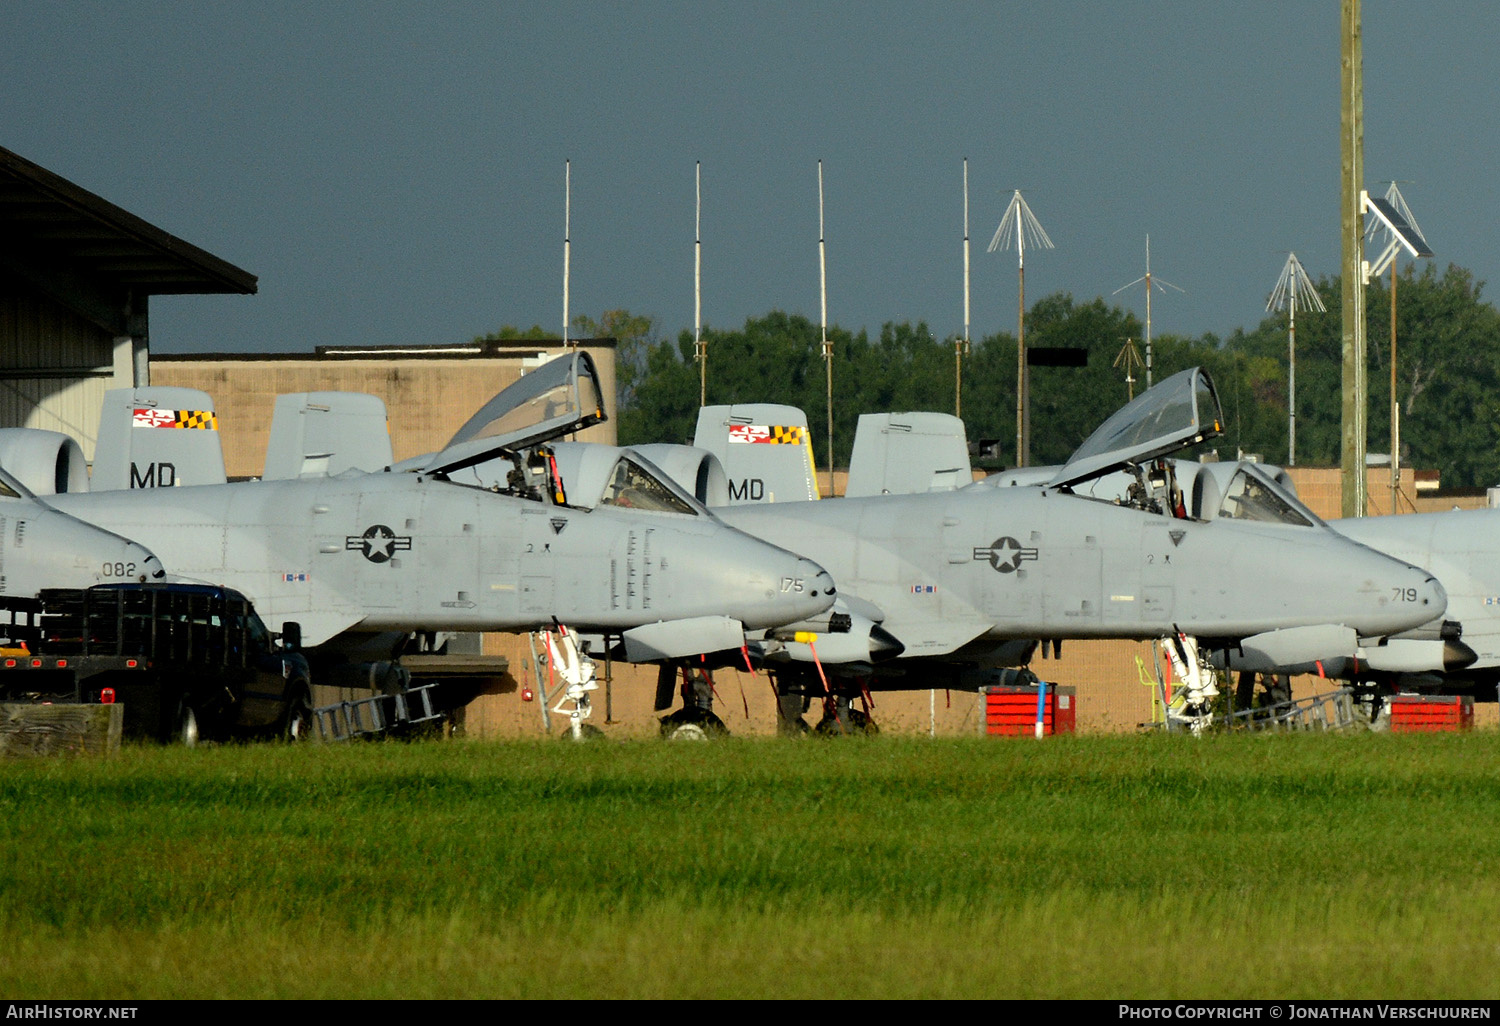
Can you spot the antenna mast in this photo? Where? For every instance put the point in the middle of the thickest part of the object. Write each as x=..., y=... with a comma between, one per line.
x=700, y=347
x=961, y=346
x=1294, y=287
x=1021, y=224
x=827, y=346
x=1388, y=258
x=1130, y=357
x=567, y=241
x=1161, y=285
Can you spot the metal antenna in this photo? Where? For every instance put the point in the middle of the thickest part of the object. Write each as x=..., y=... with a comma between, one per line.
x=567, y=237
x=1160, y=285
x=700, y=347
x=1387, y=258
x=827, y=346
x=1293, y=288
x=961, y=346
x=1020, y=224
x=1130, y=356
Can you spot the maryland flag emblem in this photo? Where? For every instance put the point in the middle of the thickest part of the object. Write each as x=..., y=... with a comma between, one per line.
x=761, y=434
x=203, y=420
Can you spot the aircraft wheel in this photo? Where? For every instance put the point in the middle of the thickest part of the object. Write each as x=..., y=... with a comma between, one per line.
x=1278, y=688
x=586, y=732
x=859, y=725
x=298, y=722
x=692, y=725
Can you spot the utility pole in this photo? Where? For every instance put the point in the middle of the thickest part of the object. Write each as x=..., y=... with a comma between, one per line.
x=1351, y=179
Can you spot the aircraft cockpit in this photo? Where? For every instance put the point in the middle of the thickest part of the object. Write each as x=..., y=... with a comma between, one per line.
x=1249, y=494
x=604, y=475
x=10, y=488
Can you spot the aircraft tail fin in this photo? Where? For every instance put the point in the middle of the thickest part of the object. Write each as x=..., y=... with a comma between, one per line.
x=157, y=437
x=765, y=449
x=907, y=454
x=326, y=433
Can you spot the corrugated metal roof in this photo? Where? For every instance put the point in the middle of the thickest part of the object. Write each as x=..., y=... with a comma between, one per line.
x=43, y=214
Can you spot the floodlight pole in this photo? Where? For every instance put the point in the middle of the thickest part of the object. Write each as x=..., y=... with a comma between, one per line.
x=1396, y=204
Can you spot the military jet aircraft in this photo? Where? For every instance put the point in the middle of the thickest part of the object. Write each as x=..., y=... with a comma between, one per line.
x=360, y=556
x=951, y=581
x=1455, y=653
x=41, y=547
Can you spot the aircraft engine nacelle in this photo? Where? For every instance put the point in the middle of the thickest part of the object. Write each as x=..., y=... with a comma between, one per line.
x=46, y=462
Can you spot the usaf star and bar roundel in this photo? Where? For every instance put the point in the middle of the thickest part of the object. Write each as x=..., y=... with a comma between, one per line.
x=1006, y=554
x=378, y=543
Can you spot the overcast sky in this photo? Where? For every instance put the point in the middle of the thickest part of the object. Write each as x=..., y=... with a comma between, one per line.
x=393, y=172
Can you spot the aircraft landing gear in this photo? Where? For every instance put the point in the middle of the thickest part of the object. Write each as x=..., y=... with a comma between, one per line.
x=796, y=687
x=841, y=719
x=790, y=706
x=695, y=721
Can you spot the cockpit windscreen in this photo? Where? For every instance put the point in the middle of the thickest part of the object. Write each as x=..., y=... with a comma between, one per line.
x=632, y=486
x=1252, y=497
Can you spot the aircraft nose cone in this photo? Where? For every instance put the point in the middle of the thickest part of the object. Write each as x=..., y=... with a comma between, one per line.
x=818, y=589
x=1430, y=594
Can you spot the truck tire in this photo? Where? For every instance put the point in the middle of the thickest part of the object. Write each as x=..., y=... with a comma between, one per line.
x=298, y=722
x=184, y=725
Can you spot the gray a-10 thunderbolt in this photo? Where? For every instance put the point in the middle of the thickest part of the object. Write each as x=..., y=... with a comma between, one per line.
x=358, y=558
x=939, y=584
x=1457, y=652
x=41, y=547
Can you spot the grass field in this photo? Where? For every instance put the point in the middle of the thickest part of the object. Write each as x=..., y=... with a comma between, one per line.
x=1310, y=866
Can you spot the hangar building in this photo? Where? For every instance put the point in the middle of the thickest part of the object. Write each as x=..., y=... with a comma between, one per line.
x=76, y=277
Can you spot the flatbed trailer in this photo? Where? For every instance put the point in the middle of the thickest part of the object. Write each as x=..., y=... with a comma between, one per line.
x=187, y=661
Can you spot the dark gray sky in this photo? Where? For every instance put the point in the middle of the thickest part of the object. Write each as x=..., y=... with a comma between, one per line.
x=393, y=172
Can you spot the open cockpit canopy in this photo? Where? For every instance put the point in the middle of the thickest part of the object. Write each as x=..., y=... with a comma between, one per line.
x=559, y=397
x=1180, y=411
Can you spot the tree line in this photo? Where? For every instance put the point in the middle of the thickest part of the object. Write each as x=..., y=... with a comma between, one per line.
x=1447, y=363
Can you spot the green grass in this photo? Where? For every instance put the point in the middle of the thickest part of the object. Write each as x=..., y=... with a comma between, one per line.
x=1292, y=866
